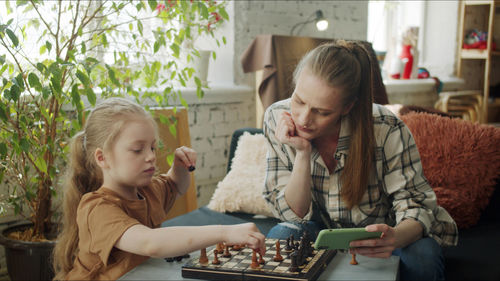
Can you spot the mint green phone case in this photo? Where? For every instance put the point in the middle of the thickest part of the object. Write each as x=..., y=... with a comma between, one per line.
x=333, y=239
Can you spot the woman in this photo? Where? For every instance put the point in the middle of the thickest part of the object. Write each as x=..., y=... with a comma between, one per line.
x=337, y=160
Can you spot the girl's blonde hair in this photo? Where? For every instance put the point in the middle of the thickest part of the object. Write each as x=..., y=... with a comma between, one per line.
x=347, y=65
x=102, y=127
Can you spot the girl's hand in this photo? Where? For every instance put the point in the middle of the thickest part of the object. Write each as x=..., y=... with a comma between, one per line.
x=245, y=233
x=376, y=248
x=185, y=157
x=286, y=133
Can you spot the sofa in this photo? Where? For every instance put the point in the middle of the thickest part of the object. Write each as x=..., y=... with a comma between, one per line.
x=475, y=207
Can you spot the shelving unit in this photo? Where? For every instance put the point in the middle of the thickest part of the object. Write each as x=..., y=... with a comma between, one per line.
x=480, y=69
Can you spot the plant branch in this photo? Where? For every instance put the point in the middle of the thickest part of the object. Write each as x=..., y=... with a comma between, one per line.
x=42, y=18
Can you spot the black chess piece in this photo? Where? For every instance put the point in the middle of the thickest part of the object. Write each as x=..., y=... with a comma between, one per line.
x=293, y=260
x=288, y=247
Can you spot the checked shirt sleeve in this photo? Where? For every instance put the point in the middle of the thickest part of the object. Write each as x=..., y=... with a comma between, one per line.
x=412, y=195
x=279, y=168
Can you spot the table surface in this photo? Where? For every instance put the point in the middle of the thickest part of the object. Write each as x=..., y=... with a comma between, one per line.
x=338, y=269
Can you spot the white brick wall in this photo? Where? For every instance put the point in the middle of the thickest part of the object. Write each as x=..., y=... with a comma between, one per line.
x=212, y=121
x=347, y=20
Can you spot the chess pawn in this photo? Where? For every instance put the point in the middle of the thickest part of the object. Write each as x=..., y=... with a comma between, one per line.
x=288, y=247
x=278, y=257
x=236, y=247
x=293, y=266
x=203, y=257
x=216, y=259
x=255, y=263
x=261, y=259
x=353, y=260
x=227, y=254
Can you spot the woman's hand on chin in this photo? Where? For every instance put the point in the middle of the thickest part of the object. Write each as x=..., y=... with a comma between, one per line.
x=286, y=133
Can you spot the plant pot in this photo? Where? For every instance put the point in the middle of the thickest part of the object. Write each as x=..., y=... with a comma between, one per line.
x=200, y=65
x=27, y=260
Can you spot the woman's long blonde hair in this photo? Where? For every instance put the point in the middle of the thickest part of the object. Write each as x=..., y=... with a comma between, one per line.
x=347, y=65
x=102, y=127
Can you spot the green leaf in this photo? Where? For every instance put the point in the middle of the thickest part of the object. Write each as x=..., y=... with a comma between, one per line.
x=41, y=67
x=83, y=78
x=197, y=81
x=156, y=47
x=24, y=144
x=139, y=27
x=3, y=150
x=112, y=76
x=2, y=59
x=203, y=11
x=46, y=92
x=56, y=85
x=84, y=48
x=170, y=159
x=3, y=112
x=90, y=96
x=152, y=4
x=14, y=93
x=4, y=67
x=75, y=95
x=199, y=93
x=224, y=14
x=12, y=37
x=175, y=48
x=34, y=81
x=43, y=49
x=49, y=46
x=41, y=165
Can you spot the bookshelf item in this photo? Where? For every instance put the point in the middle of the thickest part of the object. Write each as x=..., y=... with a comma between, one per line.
x=480, y=68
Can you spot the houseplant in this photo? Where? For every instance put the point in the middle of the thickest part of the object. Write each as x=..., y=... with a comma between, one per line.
x=59, y=57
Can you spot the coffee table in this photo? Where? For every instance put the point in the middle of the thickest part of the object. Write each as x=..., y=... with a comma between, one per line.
x=338, y=269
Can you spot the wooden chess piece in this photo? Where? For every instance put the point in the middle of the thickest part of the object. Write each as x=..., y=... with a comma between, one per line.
x=294, y=267
x=203, y=257
x=254, y=264
x=278, y=257
x=261, y=259
x=227, y=254
x=216, y=259
x=353, y=260
x=288, y=247
x=236, y=247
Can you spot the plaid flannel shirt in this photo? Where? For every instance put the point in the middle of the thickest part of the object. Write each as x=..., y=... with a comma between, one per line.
x=396, y=191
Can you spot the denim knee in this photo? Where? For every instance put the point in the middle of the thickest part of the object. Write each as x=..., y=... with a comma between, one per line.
x=421, y=260
x=283, y=230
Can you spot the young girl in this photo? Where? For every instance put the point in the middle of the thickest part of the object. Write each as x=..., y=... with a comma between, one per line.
x=113, y=204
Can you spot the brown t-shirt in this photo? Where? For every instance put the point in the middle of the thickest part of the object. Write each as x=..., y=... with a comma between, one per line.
x=103, y=216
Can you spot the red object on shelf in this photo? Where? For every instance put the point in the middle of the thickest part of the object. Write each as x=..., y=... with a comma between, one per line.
x=481, y=45
x=407, y=58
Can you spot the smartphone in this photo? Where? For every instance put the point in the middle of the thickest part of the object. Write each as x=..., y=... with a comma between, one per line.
x=339, y=238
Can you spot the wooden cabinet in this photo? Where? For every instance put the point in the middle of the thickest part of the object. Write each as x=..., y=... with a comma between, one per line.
x=480, y=68
x=169, y=141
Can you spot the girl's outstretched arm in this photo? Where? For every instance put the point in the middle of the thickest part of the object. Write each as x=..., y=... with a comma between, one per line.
x=180, y=240
x=184, y=162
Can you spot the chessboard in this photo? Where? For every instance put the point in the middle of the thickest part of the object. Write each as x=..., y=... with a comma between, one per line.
x=238, y=265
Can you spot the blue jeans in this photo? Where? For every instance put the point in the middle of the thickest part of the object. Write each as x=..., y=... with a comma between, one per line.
x=421, y=260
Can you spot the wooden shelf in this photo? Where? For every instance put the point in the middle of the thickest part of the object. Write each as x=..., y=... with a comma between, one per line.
x=477, y=53
x=479, y=14
x=495, y=103
x=474, y=54
x=482, y=2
